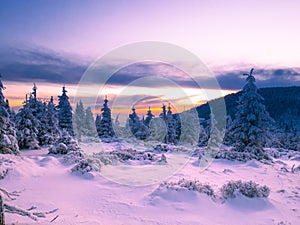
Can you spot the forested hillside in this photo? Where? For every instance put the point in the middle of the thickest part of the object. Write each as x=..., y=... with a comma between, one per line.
x=282, y=103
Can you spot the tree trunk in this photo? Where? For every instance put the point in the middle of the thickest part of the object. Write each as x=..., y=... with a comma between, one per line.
x=1, y=211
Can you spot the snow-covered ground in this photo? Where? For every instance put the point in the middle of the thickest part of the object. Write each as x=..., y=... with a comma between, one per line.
x=44, y=184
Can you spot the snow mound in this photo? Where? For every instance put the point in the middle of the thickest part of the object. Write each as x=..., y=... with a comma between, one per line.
x=172, y=195
x=245, y=204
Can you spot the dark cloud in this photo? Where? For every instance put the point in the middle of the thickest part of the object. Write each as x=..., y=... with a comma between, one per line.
x=264, y=78
x=34, y=64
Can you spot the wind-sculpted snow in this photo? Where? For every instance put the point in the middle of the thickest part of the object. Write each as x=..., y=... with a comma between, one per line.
x=45, y=182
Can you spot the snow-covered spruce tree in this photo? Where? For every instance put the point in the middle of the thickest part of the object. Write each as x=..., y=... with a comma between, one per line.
x=27, y=127
x=189, y=127
x=158, y=130
x=98, y=124
x=171, y=134
x=78, y=122
x=39, y=112
x=163, y=116
x=149, y=117
x=52, y=131
x=215, y=136
x=288, y=139
x=137, y=127
x=134, y=121
x=203, y=137
x=250, y=128
x=8, y=141
x=65, y=112
x=88, y=123
x=106, y=132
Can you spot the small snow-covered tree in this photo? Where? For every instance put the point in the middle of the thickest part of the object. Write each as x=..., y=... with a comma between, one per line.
x=88, y=123
x=189, y=127
x=137, y=127
x=163, y=116
x=98, y=124
x=158, y=130
x=40, y=113
x=134, y=121
x=78, y=122
x=215, y=136
x=171, y=134
x=65, y=112
x=149, y=117
x=27, y=128
x=52, y=128
x=203, y=137
x=47, y=132
x=106, y=130
x=8, y=141
x=250, y=128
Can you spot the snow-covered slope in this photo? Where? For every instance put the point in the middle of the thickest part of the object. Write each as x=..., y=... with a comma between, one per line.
x=44, y=184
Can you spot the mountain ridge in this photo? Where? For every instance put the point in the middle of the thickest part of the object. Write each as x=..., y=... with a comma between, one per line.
x=282, y=103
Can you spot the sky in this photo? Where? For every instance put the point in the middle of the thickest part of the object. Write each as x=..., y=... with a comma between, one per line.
x=53, y=43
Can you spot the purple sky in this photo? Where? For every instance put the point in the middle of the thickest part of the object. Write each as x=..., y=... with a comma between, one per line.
x=55, y=41
x=219, y=32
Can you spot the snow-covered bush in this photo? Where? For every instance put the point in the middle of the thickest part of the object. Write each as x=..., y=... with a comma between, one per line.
x=132, y=154
x=64, y=144
x=73, y=156
x=111, y=158
x=162, y=148
x=243, y=156
x=86, y=165
x=249, y=189
x=193, y=185
x=105, y=158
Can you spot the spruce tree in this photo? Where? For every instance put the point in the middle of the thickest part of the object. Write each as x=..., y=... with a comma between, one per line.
x=8, y=141
x=47, y=133
x=163, y=116
x=137, y=126
x=28, y=121
x=88, y=123
x=189, y=127
x=106, y=131
x=149, y=117
x=27, y=128
x=65, y=112
x=203, y=137
x=78, y=120
x=134, y=121
x=52, y=128
x=171, y=134
x=98, y=124
x=250, y=128
x=215, y=136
